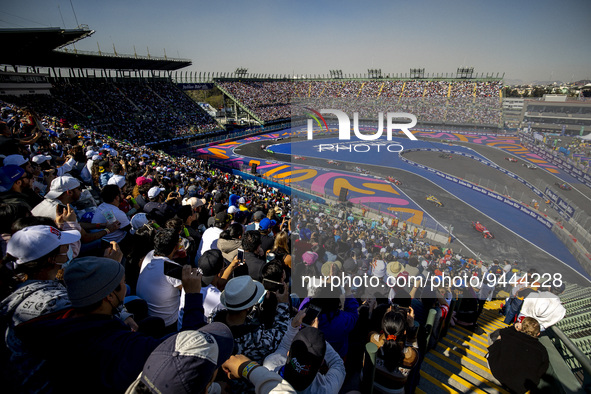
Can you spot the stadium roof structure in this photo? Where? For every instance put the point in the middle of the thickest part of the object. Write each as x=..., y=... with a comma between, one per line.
x=44, y=47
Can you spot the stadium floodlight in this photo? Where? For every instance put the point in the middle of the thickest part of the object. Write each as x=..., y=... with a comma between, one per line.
x=374, y=73
x=241, y=72
x=417, y=73
x=465, y=72
x=336, y=74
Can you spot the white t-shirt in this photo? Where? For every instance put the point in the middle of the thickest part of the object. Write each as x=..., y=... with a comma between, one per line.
x=211, y=303
x=209, y=240
x=158, y=290
x=100, y=216
x=252, y=226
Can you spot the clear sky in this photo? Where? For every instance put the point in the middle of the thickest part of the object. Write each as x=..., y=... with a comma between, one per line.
x=528, y=40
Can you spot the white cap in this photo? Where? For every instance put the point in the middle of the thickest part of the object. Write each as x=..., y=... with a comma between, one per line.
x=232, y=209
x=138, y=220
x=17, y=160
x=91, y=153
x=33, y=242
x=118, y=180
x=241, y=200
x=96, y=157
x=194, y=202
x=40, y=159
x=60, y=185
x=155, y=191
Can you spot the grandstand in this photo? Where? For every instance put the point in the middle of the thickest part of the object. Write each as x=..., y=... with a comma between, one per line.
x=127, y=97
x=460, y=102
x=151, y=109
x=557, y=114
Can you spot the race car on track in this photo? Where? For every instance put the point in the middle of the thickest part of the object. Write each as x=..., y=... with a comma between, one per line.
x=446, y=156
x=333, y=162
x=511, y=159
x=483, y=230
x=394, y=181
x=530, y=166
x=564, y=186
x=299, y=158
x=434, y=200
x=361, y=170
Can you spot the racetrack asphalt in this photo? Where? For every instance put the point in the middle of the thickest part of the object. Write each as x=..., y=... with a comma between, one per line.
x=456, y=211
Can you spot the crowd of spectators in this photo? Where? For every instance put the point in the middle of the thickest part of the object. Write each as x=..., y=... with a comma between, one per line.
x=464, y=102
x=128, y=269
x=576, y=151
x=139, y=111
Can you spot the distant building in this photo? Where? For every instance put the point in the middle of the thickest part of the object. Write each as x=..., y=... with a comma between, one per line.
x=512, y=112
x=571, y=115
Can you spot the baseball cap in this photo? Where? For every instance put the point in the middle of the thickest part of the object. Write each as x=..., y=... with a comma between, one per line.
x=185, y=362
x=258, y=216
x=90, y=279
x=233, y=209
x=140, y=181
x=40, y=159
x=155, y=191
x=211, y=263
x=8, y=175
x=118, y=180
x=15, y=160
x=34, y=242
x=196, y=202
x=60, y=185
x=266, y=224
x=305, y=358
x=137, y=221
x=309, y=257
x=222, y=217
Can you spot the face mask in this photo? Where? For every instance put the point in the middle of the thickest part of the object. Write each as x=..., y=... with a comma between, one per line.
x=70, y=255
x=119, y=307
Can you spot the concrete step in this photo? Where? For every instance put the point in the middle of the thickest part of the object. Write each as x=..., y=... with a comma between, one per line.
x=458, y=362
x=470, y=369
x=430, y=385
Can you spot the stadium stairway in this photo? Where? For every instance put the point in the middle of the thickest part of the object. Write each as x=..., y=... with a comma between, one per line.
x=457, y=364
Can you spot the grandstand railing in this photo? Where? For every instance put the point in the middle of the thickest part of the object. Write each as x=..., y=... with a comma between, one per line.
x=116, y=55
x=213, y=76
x=577, y=363
x=237, y=102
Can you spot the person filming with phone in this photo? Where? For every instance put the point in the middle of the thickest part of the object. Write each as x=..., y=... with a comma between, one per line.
x=251, y=338
x=159, y=282
x=303, y=353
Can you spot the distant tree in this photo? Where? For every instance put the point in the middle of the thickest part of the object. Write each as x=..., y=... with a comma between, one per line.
x=538, y=91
